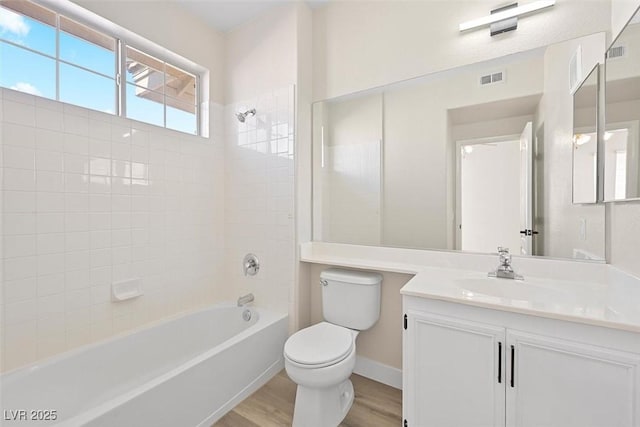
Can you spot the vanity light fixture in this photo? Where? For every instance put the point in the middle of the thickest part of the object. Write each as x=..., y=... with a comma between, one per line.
x=505, y=18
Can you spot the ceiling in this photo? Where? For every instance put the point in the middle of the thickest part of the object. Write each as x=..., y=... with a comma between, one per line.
x=225, y=15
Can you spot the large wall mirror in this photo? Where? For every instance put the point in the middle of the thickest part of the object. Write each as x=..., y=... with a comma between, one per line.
x=466, y=159
x=622, y=110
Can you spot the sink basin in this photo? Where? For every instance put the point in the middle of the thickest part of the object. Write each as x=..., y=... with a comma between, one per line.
x=510, y=289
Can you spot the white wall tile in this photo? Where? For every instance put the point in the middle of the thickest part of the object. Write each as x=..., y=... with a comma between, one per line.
x=19, y=201
x=21, y=289
x=19, y=245
x=19, y=113
x=49, y=181
x=18, y=157
x=18, y=223
x=50, y=284
x=50, y=202
x=83, y=208
x=50, y=264
x=50, y=223
x=19, y=179
x=51, y=243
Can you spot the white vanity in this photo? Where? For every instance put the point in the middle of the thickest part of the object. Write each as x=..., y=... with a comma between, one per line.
x=481, y=351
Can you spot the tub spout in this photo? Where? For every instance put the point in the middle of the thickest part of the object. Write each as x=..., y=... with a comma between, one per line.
x=244, y=300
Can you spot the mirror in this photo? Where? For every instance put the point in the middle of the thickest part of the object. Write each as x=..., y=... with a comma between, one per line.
x=467, y=159
x=585, y=140
x=621, y=136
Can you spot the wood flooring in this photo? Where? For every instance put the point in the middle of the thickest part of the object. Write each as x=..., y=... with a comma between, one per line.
x=375, y=405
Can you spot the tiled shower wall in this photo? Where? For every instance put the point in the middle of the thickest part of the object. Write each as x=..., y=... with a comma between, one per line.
x=90, y=199
x=259, y=198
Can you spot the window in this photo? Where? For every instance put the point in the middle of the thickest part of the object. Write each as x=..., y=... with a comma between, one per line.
x=49, y=54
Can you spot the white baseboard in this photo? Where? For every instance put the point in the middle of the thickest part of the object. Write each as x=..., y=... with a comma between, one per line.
x=380, y=372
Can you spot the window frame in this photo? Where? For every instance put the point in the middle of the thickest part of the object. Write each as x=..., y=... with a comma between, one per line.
x=123, y=38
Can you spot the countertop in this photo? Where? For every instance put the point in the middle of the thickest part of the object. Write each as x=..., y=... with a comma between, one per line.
x=589, y=293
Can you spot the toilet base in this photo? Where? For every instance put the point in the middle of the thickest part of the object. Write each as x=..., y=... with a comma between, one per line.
x=322, y=407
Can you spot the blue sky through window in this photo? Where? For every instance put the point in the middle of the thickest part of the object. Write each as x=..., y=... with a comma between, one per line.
x=35, y=73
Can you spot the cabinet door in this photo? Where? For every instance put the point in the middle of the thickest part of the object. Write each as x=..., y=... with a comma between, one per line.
x=453, y=372
x=565, y=384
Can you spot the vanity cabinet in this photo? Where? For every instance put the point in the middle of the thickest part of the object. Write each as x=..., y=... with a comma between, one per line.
x=465, y=371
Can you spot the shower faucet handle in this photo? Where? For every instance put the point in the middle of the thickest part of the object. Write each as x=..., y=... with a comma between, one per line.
x=250, y=265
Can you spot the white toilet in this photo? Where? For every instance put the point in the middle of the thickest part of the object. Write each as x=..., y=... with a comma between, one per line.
x=321, y=358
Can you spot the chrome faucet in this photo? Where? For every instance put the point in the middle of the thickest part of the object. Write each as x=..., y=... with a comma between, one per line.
x=244, y=300
x=505, y=270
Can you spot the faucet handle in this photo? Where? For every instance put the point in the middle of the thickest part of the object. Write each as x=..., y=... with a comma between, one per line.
x=502, y=250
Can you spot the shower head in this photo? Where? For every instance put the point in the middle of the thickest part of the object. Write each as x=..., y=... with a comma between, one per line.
x=243, y=116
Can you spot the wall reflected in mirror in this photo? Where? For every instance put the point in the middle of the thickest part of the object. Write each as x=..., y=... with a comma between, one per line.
x=585, y=140
x=468, y=159
x=621, y=136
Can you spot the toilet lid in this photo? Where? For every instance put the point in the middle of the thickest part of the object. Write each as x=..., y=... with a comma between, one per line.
x=320, y=344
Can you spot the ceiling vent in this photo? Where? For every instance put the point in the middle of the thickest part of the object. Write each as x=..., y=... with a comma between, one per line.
x=492, y=78
x=619, y=51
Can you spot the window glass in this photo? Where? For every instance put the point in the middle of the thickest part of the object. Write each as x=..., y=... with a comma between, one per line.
x=180, y=85
x=74, y=83
x=88, y=48
x=144, y=70
x=32, y=73
x=181, y=116
x=29, y=25
x=144, y=105
x=47, y=54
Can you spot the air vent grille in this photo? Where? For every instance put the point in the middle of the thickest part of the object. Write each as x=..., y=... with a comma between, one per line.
x=488, y=79
x=617, y=52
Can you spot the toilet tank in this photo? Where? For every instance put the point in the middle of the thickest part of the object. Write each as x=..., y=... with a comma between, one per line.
x=350, y=298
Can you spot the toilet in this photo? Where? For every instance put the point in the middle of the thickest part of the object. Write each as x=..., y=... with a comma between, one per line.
x=321, y=358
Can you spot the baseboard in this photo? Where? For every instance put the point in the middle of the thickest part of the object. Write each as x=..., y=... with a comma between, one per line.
x=380, y=372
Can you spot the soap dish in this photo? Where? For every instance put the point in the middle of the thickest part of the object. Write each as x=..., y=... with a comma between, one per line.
x=126, y=289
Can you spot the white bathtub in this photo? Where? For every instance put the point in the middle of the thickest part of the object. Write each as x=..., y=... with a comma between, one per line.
x=187, y=371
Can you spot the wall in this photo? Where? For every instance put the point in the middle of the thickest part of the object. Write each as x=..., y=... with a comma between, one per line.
x=383, y=342
x=90, y=199
x=359, y=45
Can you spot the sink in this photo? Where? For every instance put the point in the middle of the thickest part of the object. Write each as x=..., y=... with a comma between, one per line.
x=510, y=289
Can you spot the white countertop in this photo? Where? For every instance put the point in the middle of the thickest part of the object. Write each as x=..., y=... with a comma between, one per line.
x=595, y=294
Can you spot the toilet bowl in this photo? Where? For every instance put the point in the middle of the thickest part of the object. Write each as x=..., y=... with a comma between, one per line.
x=320, y=359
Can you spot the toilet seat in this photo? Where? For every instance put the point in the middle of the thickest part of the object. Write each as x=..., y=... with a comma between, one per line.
x=319, y=345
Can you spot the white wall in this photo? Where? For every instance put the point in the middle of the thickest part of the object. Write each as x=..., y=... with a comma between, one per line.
x=364, y=44
x=90, y=199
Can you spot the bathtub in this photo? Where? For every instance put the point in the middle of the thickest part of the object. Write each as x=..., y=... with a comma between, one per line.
x=186, y=371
